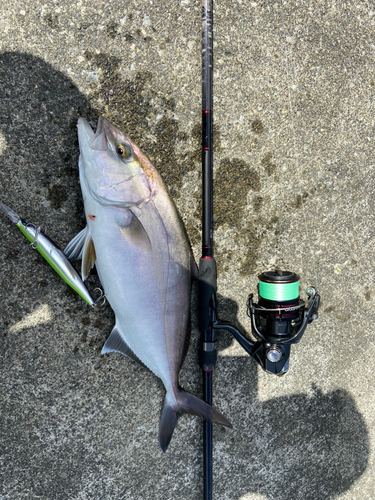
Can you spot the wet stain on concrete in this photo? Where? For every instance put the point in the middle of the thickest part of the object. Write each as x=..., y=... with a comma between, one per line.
x=257, y=203
x=193, y=231
x=52, y=20
x=102, y=323
x=232, y=181
x=127, y=104
x=12, y=254
x=65, y=156
x=166, y=131
x=57, y=195
x=344, y=318
x=121, y=95
x=169, y=103
x=299, y=200
x=268, y=165
x=80, y=210
x=257, y=126
x=85, y=320
x=112, y=29
x=252, y=239
x=329, y=309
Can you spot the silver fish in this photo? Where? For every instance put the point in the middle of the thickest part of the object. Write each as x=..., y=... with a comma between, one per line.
x=51, y=252
x=138, y=243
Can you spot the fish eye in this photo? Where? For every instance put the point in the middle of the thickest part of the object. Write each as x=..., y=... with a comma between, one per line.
x=124, y=151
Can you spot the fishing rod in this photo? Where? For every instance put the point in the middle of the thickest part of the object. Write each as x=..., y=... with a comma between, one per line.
x=207, y=266
x=280, y=317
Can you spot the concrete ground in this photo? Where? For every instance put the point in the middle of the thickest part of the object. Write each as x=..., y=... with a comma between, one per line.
x=294, y=188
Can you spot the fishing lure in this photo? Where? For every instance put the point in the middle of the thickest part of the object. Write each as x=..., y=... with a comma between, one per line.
x=51, y=253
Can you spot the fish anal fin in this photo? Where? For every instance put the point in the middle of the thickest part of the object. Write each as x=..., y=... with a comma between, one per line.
x=115, y=343
x=136, y=234
x=88, y=256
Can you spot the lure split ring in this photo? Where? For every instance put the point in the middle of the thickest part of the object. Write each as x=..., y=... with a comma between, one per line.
x=102, y=296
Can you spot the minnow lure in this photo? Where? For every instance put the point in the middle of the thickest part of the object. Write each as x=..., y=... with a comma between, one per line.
x=51, y=253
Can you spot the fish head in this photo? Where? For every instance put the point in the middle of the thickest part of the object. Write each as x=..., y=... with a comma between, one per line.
x=110, y=165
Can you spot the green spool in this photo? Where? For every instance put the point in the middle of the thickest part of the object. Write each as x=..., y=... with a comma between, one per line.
x=279, y=286
x=279, y=291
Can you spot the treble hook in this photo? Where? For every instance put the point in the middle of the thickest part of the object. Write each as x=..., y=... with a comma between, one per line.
x=102, y=296
x=34, y=243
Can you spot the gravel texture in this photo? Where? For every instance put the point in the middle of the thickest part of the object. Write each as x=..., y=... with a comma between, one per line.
x=294, y=85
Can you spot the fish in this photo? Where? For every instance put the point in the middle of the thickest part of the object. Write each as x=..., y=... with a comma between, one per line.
x=51, y=253
x=136, y=239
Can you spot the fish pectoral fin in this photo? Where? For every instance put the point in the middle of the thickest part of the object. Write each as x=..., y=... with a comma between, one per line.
x=115, y=343
x=88, y=256
x=185, y=403
x=74, y=248
x=136, y=234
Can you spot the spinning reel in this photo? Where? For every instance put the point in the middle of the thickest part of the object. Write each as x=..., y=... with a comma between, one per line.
x=278, y=320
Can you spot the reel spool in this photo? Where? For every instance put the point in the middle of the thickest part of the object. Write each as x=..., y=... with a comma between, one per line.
x=279, y=296
x=280, y=318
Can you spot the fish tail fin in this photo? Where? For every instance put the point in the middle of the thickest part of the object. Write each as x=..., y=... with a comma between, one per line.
x=185, y=403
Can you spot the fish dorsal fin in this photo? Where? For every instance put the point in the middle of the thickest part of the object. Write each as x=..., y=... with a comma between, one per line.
x=136, y=234
x=88, y=256
x=75, y=247
x=115, y=343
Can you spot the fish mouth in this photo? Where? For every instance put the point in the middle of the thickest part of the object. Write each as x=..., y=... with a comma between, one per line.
x=94, y=140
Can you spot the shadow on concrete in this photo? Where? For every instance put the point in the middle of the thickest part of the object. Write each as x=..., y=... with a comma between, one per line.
x=301, y=446
x=39, y=111
x=39, y=108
